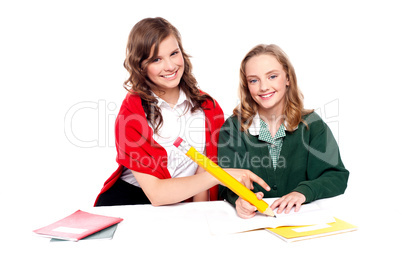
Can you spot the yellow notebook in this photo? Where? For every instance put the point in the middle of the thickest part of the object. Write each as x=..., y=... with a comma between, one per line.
x=298, y=233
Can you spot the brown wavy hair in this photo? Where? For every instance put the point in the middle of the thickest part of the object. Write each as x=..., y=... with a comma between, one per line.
x=293, y=108
x=145, y=35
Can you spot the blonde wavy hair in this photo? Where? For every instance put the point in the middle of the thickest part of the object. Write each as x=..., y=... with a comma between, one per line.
x=293, y=108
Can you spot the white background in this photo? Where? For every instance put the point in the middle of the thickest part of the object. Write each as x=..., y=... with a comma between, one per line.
x=57, y=56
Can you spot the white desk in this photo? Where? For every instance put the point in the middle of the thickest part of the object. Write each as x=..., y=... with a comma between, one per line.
x=178, y=235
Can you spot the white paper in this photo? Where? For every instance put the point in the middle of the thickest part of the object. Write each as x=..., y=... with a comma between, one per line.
x=311, y=228
x=224, y=220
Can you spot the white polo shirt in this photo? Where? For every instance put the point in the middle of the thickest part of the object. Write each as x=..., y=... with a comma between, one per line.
x=177, y=122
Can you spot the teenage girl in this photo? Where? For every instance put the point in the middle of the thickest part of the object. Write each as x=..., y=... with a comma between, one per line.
x=271, y=134
x=163, y=103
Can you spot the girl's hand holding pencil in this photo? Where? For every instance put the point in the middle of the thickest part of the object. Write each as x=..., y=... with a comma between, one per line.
x=240, y=186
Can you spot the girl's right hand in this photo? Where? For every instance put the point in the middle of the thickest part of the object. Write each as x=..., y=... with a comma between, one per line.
x=247, y=178
x=244, y=209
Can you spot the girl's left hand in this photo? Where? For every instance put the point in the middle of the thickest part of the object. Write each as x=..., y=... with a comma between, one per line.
x=288, y=201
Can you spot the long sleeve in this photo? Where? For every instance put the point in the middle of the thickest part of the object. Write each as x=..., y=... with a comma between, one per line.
x=326, y=174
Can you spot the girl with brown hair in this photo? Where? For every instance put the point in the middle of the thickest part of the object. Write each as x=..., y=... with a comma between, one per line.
x=163, y=103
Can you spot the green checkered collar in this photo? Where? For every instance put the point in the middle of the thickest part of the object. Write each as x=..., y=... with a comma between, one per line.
x=259, y=127
x=265, y=134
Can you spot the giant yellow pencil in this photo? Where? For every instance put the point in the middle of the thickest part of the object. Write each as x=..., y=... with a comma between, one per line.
x=223, y=177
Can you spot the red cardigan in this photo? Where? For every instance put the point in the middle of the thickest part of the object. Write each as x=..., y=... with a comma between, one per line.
x=138, y=151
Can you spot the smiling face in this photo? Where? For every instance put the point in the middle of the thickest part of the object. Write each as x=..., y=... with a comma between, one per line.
x=267, y=83
x=166, y=70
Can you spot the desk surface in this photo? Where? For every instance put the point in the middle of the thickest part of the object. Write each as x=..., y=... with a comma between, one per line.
x=178, y=235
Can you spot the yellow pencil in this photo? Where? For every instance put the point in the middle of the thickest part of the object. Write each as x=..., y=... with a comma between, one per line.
x=223, y=177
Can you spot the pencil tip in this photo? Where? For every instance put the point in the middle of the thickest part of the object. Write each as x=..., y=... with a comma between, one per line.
x=269, y=213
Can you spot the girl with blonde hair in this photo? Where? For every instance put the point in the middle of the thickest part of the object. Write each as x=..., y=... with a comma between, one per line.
x=271, y=134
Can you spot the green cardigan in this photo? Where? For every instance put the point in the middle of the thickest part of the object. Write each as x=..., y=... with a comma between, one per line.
x=309, y=160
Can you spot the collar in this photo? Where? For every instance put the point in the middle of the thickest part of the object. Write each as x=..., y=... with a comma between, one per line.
x=255, y=126
x=265, y=134
x=182, y=99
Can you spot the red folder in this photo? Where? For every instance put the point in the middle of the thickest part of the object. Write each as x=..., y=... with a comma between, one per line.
x=78, y=225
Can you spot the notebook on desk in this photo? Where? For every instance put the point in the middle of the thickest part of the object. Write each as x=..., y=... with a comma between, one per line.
x=298, y=233
x=76, y=226
x=224, y=220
